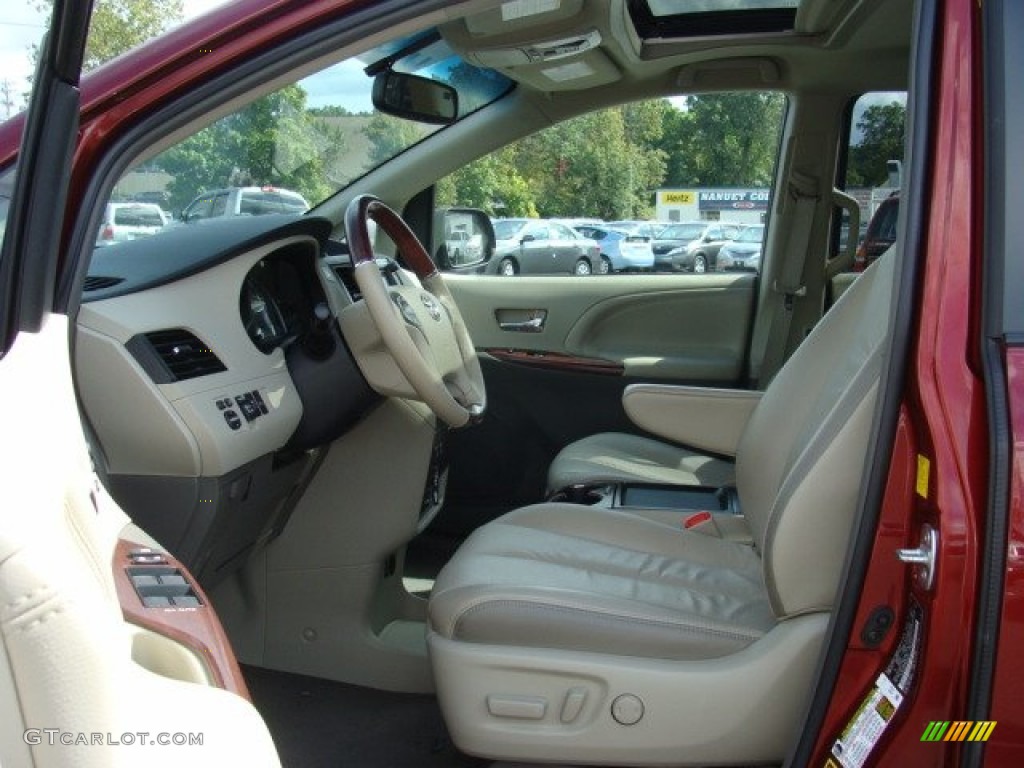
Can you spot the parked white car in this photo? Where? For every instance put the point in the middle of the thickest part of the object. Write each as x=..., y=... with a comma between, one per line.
x=128, y=221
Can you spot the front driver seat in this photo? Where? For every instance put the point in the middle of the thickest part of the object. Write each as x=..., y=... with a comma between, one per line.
x=73, y=691
x=615, y=636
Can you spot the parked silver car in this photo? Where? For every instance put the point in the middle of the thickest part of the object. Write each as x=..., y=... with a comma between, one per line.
x=540, y=247
x=744, y=253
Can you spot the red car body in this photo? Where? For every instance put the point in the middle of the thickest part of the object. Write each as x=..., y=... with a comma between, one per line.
x=940, y=468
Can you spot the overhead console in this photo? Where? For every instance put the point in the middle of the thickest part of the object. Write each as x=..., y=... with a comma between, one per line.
x=552, y=46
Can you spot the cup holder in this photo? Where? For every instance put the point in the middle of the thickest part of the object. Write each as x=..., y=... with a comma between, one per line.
x=589, y=495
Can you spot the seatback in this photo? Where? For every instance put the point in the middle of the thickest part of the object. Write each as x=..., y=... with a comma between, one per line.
x=800, y=462
x=70, y=689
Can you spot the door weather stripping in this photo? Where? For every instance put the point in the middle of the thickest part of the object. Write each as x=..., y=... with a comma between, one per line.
x=922, y=558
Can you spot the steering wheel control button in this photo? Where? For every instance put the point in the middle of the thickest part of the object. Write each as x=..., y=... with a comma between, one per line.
x=573, y=704
x=408, y=313
x=232, y=419
x=517, y=707
x=432, y=306
x=627, y=709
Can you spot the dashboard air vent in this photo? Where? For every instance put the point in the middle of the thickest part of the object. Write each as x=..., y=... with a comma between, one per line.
x=99, y=282
x=179, y=355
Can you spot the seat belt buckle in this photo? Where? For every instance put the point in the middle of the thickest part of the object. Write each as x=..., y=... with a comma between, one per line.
x=696, y=520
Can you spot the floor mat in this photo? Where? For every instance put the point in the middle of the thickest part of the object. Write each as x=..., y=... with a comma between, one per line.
x=323, y=724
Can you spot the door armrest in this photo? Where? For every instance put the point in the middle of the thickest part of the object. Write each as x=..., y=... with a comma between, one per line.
x=704, y=418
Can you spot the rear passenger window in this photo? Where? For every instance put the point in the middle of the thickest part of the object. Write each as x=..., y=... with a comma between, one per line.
x=873, y=165
x=870, y=173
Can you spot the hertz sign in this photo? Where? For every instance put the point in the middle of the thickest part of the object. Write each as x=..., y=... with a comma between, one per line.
x=676, y=197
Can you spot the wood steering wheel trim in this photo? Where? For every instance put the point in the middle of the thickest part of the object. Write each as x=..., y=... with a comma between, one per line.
x=361, y=249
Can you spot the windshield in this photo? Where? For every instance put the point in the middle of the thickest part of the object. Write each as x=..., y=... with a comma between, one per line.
x=751, y=235
x=295, y=147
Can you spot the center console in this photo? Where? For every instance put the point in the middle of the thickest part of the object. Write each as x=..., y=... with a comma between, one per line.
x=722, y=500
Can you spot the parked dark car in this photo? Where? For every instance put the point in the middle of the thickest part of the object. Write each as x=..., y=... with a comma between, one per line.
x=697, y=254
x=880, y=235
x=676, y=237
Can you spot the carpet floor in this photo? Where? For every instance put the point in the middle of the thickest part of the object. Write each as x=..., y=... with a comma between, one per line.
x=324, y=724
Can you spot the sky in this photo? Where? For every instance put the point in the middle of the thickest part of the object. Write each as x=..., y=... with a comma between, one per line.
x=22, y=26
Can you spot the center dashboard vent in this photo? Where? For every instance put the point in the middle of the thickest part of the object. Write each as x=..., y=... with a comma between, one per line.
x=174, y=355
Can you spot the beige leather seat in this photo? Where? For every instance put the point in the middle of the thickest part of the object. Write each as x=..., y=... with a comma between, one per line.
x=66, y=656
x=612, y=636
x=617, y=457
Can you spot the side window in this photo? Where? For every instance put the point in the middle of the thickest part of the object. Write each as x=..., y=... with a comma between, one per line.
x=220, y=205
x=561, y=232
x=870, y=174
x=200, y=209
x=685, y=161
x=538, y=232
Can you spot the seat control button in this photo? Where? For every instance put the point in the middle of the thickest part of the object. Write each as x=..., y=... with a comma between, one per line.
x=517, y=707
x=573, y=704
x=627, y=709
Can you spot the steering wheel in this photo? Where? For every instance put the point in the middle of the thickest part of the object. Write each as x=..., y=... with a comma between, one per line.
x=421, y=327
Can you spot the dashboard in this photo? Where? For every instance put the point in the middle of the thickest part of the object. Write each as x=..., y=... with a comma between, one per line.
x=212, y=371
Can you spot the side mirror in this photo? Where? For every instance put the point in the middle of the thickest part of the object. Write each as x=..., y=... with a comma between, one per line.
x=528, y=239
x=462, y=239
x=415, y=98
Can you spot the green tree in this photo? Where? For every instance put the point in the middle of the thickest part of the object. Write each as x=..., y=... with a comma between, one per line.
x=273, y=141
x=390, y=135
x=492, y=183
x=724, y=140
x=881, y=128
x=592, y=166
x=120, y=25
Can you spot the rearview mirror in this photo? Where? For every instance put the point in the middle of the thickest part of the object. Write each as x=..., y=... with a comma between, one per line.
x=415, y=98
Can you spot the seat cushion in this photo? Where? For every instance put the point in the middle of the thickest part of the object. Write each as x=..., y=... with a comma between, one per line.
x=587, y=579
x=616, y=457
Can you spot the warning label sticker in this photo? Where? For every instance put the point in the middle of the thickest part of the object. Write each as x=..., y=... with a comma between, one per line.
x=876, y=710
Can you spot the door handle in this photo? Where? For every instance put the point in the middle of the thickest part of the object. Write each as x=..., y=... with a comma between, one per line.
x=521, y=320
x=523, y=326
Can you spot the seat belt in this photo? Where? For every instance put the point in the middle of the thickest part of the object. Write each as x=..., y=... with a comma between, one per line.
x=770, y=345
